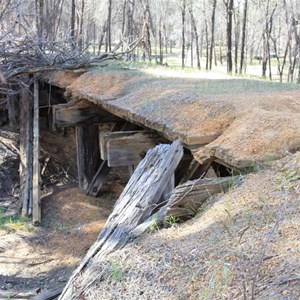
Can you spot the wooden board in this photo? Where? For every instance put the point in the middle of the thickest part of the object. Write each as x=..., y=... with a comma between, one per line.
x=129, y=148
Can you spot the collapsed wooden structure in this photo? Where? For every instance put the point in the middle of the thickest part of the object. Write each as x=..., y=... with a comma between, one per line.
x=174, y=161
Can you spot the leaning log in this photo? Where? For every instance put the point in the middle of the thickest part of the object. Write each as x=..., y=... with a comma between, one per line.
x=137, y=202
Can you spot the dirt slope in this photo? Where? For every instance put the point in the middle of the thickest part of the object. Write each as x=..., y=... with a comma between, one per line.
x=242, y=245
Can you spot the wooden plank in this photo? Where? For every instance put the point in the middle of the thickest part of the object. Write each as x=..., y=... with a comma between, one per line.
x=130, y=149
x=136, y=203
x=106, y=136
x=83, y=112
x=36, y=189
x=26, y=152
x=88, y=154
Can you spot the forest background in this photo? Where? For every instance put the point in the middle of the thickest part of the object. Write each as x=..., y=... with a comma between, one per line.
x=256, y=37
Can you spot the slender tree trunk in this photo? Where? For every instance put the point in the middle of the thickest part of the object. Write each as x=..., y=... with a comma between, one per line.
x=108, y=30
x=243, y=36
x=80, y=29
x=229, y=13
x=73, y=19
x=194, y=29
x=236, y=39
x=183, y=14
x=161, y=50
x=212, y=40
x=207, y=45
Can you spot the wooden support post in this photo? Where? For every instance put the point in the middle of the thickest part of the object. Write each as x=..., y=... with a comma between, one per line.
x=88, y=154
x=26, y=152
x=36, y=209
x=13, y=110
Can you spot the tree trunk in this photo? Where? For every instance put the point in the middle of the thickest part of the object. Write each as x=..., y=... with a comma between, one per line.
x=108, y=28
x=229, y=13
x=194, y=28
x=80, y=29
x=183, y=14
x=212, y=40
x=73, y=20
x=243, y=36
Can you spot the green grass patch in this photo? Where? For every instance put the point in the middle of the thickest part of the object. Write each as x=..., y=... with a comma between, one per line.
x=14, y=223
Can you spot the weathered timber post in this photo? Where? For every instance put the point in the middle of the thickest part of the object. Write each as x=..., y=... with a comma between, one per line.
x=26, y=152
x=36, y=209
x=88, y=154
x=13, y=110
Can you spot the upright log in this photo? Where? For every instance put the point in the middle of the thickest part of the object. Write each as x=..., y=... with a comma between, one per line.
x=36, y=209
x=88, y=154
x=137, y=202
x=26, y=152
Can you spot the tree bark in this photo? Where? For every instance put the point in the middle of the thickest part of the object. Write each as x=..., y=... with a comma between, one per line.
x=183, y=15
x=194, y=28
x=212, y=40
x=243, y=36
x=229, y=13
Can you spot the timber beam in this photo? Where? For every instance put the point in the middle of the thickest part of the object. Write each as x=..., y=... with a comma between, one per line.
x=80, y=113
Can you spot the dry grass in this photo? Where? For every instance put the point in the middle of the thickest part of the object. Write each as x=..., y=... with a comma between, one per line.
x=242, y=245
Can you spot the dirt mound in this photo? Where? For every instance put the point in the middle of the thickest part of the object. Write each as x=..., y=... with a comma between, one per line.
x=239, y=121
x=242, y=245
